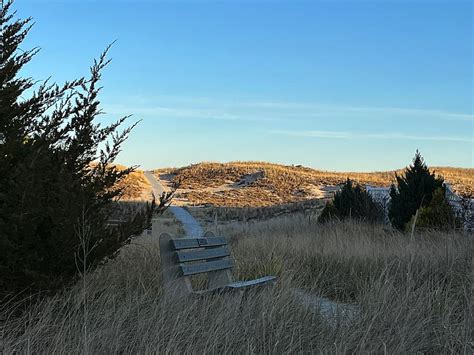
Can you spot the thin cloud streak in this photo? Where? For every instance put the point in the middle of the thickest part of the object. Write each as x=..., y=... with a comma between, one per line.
x=247, y=110
x=315, y=134
x=363, y=110
x=183, y=113
x=383, y=136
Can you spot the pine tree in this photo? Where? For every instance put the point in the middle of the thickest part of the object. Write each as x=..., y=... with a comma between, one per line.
x=53, y=176
x=414, y=190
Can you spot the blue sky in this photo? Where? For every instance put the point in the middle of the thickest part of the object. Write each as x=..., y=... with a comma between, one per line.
x=340, y=85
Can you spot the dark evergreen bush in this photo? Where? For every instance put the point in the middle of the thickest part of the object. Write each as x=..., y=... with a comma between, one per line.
x=56, y=185
x=352, y=202
x=328, y=213
x=438, y=214
x=414, y=190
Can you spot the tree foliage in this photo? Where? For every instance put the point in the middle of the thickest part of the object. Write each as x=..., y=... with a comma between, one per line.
x=438, y=214
x=414, y=190
x=352, y=202
x=56, y=171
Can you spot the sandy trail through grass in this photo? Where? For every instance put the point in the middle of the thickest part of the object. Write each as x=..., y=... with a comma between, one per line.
x=191, y=227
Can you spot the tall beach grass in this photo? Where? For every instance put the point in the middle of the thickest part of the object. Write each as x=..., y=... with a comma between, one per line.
x=411, y=295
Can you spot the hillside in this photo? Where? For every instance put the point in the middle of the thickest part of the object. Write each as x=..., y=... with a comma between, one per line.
x=136, y=186
x=252, y=184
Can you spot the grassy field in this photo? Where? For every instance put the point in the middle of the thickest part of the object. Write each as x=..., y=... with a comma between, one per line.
x=208, y=216
x=412, y=295
x=258, y=184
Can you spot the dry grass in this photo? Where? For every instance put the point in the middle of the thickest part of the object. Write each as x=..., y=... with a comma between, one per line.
x=124, y=210
x=208, y=216
x=216, y=184
x=167, y=223
x=413, y=296
x=135, y=185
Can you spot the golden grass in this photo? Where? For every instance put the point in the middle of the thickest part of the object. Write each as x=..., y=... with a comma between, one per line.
x=208, y=216
x=214, y=183
x=167, y=223
x=412, y=297
x=135, y=185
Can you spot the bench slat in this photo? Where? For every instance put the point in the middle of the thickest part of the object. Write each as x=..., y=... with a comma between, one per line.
x=190, y=243
x=260, y=281
x=206, y=267
x=204, y=254
x=240, y=285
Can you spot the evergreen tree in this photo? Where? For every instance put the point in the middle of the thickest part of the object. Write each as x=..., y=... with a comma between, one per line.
x=55, y=182
x=414, y=190
x=439, y=214
x=351, y=202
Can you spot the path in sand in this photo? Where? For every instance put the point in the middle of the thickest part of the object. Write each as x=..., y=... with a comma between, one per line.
x=192, y=228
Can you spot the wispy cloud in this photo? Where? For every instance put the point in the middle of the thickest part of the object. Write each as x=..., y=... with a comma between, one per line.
x=418, y=138
x=383, y=136
x=180, y=112
x=249, y=110
x=314, y=134
x=309, y=108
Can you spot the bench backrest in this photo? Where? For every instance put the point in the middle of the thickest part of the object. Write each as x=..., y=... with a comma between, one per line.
x=184, y=257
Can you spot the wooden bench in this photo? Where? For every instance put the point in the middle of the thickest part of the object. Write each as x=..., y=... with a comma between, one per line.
x=183, y=257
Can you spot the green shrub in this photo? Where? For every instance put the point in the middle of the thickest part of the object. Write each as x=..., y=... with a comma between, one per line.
x=414, y=190
x=437, y=215
x=352, y=202
x=328, y=213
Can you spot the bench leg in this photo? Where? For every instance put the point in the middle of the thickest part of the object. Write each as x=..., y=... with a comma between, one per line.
x=219, y=278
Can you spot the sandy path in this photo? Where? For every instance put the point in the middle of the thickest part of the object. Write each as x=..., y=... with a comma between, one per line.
x=192, y=228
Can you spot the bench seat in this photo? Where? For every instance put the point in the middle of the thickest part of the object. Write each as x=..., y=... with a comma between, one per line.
x=185, y=257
